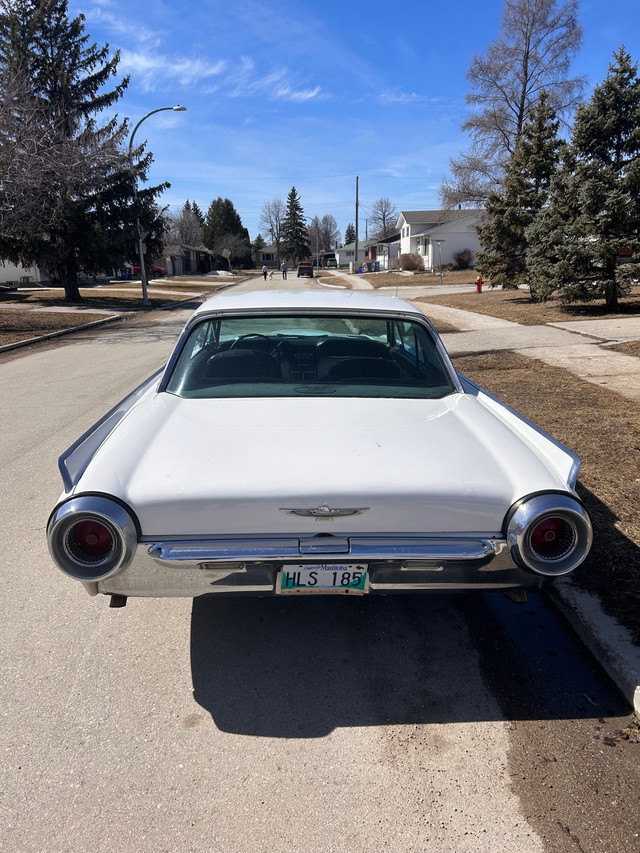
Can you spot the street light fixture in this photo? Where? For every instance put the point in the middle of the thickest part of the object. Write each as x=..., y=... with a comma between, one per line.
x=139, y=235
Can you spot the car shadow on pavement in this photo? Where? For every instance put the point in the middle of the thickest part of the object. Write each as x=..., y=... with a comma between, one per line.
x=301, y=666
x=612, y=569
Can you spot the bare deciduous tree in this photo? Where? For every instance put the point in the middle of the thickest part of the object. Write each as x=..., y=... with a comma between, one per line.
x=383, y=218
x=537, y=41
x=324, y=234
x=271, y=220
x=185, y=228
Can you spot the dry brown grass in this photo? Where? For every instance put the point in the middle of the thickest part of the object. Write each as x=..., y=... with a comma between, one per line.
x=515, y=305
x=123, y=297
x=18, y=326
x=422, y=279
x=628, y=348
x=604, y=430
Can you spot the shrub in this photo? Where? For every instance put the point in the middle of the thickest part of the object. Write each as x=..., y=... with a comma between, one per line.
x=463, y=259
x=412, y=262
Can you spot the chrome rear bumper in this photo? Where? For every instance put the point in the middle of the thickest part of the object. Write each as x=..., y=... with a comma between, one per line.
x=250, y=566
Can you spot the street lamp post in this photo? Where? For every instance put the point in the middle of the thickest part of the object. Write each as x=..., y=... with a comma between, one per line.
x=440, y=242
x=139, y=235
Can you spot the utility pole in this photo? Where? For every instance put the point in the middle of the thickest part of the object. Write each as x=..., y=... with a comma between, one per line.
x=357, y=267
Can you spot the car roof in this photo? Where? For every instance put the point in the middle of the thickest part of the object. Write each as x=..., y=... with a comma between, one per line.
x=312, y=300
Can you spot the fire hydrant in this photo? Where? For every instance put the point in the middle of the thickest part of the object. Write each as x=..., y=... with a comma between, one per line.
x=479, y=284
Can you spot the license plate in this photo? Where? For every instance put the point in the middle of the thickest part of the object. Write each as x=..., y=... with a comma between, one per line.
x=324, y=577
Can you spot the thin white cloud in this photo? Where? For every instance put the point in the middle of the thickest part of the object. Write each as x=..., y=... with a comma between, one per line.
x=122, y=28
x=398, y=97
x=151, y=69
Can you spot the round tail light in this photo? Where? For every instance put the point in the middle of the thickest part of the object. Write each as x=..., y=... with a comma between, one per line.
x=549, y=534
x=91, y=538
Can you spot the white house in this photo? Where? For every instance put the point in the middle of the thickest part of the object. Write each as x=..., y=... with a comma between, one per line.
x=17, y=274
x=347, y=254
x=438, y=234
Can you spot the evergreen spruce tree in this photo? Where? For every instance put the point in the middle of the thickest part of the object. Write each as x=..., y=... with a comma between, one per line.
x=259, y=243
x=523, y=193
x=294, y=230
x=197, y=212
x=350, y=234
x=593, y=219
x=66, y=183
x=223, y=230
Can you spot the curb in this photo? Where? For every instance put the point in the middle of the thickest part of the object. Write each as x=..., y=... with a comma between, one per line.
x=609, y=643
x=168, y=306
x=60, y=332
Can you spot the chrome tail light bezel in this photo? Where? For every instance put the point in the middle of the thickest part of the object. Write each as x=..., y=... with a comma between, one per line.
x=569, y=552
x=105, y=511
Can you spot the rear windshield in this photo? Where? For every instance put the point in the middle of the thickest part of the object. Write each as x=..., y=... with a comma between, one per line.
x=292, y=356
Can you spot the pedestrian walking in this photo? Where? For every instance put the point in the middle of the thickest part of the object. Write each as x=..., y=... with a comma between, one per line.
x=283, y=267
x=264, y=272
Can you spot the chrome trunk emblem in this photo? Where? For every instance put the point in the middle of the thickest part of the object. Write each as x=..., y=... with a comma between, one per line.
x=324, y=511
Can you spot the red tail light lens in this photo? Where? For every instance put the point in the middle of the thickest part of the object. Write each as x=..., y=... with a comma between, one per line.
x=552, y=538
x=94, y=538
x=90, y=542
x=91, y=537
x=548, y=534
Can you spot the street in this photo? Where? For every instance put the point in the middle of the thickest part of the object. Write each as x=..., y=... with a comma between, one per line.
x=415, y=723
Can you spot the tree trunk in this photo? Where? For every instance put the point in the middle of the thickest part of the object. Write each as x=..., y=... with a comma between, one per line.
x=69, y=278
x=611, y=286
x=611, y=295
x=71, y=292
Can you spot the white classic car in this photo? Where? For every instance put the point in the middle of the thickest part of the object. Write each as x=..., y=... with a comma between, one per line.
x=314, y=442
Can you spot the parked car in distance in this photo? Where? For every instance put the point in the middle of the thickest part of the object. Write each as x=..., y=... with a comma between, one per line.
x=305, y=268
x=154, y=272
x=314, y=442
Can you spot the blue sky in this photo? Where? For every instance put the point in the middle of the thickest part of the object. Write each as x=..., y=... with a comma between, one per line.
x=288, y=93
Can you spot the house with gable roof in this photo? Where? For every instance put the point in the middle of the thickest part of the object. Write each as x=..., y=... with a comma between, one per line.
x=438, y=234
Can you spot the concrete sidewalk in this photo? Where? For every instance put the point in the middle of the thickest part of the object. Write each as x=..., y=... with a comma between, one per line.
x=580, y=346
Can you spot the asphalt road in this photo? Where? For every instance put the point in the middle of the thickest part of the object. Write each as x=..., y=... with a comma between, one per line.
x=245, y=725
